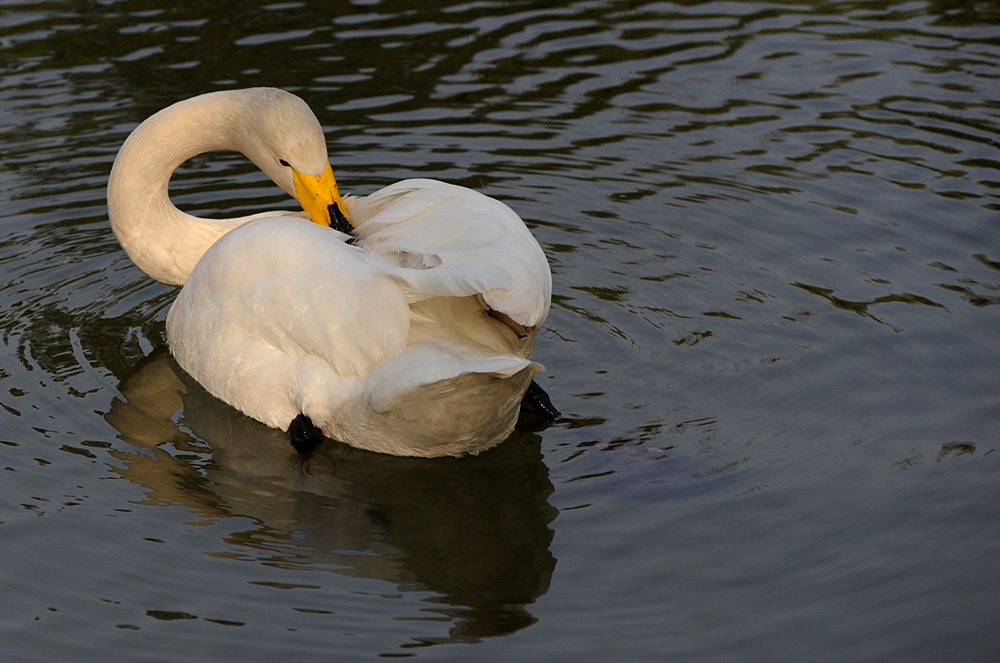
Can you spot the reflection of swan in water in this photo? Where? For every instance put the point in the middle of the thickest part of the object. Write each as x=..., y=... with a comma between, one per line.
x=474, y=530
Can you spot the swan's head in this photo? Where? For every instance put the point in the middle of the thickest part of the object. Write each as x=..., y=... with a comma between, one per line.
x=286, y=141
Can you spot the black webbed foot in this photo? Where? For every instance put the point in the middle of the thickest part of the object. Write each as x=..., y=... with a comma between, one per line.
x=340, y=223
x=303, y=434
x=538, y=402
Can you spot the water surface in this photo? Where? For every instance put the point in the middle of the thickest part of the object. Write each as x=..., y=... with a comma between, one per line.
x=773, y=234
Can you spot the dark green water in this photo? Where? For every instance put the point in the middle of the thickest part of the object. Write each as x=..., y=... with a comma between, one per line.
x=774, y=231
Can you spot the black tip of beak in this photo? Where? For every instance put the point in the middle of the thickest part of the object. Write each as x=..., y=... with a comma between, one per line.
x=338, y=221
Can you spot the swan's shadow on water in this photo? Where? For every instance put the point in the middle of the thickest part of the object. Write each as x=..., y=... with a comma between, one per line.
x=474, y=530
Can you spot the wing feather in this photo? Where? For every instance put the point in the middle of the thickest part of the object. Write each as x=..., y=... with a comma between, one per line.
x=445, y=240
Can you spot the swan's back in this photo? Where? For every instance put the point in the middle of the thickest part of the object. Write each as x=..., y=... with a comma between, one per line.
x=280, y=310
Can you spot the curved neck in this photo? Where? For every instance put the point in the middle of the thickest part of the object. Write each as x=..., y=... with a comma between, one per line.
x=163, y=241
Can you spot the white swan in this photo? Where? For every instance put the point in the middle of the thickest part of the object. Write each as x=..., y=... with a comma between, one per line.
x=410, y=335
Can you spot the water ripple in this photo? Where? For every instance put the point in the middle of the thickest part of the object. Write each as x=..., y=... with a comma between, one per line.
x=772, y=229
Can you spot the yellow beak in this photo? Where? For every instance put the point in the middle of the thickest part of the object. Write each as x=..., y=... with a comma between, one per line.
x=317, y=194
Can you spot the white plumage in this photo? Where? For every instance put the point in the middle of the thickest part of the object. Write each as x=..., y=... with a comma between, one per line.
x=414, y=340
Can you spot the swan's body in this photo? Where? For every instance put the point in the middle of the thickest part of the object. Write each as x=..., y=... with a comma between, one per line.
x=413, y=340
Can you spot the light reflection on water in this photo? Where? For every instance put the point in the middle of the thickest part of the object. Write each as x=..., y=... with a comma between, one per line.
x=772, y=234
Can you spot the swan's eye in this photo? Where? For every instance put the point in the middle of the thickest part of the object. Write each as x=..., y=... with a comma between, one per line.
x=284, y=163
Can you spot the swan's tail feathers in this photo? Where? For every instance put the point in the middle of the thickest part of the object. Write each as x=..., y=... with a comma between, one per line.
x=441, y=399
x=434, y=372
